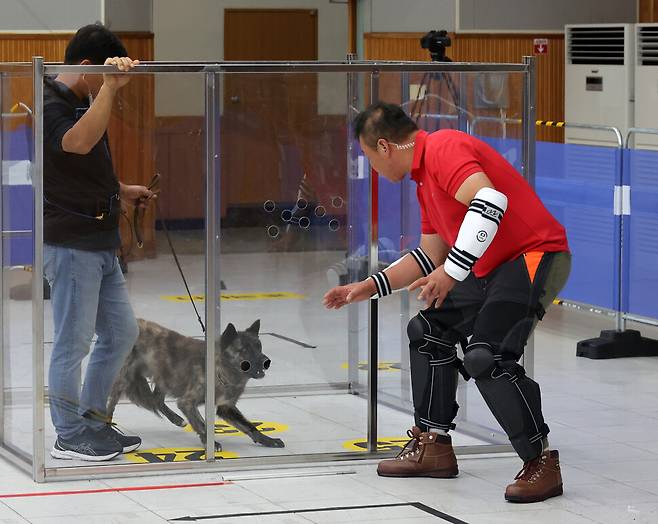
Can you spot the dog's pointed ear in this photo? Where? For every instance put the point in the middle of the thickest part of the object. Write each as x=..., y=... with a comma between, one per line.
x=254, y=328
x=229, y=335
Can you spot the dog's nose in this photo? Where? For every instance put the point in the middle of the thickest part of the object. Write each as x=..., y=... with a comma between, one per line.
x=266, y=363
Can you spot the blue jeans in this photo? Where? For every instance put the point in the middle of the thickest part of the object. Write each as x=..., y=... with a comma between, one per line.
x=88, y=295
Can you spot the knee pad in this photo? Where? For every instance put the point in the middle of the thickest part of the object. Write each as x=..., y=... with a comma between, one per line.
x=479, y=359
x=416, y=328
x=434, y=366
x=421, y=333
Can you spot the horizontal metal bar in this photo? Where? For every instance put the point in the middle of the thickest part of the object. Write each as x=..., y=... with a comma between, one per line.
x=15, y=115
x=615, y=130
x=639, y=131
x=438, y=116
x=477, y=119
x=246, y=463
x=581, y=306
x=289, y=67
x=23, y=232
x=640, y=320
x=242, y=464
x=16, y=456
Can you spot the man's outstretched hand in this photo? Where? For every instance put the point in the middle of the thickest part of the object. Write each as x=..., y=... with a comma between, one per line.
x=435, y=287
x=337, y=297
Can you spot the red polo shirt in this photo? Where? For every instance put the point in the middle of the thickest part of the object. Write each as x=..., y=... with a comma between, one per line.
x=443, y=161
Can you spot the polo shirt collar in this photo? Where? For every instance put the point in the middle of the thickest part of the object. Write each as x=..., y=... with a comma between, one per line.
x=419, y=150
x=66, y=93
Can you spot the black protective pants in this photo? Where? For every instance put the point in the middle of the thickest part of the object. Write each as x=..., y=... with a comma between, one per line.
x=496, y=315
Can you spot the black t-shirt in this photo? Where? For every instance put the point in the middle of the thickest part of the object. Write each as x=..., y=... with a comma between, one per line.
x=81, y=192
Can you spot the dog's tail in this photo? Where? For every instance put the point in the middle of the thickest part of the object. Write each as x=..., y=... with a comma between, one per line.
x=139, y=392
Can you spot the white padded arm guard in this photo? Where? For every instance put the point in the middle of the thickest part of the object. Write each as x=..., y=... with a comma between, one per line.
x=476, y=232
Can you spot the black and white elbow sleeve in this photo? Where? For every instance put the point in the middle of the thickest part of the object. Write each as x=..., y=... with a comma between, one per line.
x=476, y=232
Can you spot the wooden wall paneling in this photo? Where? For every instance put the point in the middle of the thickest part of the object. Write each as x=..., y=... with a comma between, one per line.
x=648, y=11
x=132, y=126
x=489, y=48
x=181, y=163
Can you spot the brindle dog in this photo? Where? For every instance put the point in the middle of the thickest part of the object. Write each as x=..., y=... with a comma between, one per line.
x=175, y=365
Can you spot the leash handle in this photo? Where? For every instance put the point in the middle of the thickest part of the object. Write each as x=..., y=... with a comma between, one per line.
x=140, y=242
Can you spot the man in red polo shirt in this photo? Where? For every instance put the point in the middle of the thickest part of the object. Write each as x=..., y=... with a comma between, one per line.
x=491, y=260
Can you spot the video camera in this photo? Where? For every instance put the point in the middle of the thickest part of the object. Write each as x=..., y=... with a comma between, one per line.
x=436, y=42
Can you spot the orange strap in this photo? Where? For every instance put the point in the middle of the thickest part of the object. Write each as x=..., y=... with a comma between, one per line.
x=532, y=260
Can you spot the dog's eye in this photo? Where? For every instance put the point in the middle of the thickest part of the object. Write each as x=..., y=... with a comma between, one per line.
x=245, y=365
x=266, y=364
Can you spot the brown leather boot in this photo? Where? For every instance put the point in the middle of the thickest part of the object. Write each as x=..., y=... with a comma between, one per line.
x=540, y=479
x=425, y=455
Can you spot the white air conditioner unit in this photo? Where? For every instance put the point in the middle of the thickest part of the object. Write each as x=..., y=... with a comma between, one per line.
x=598, y=81
x=646, y=84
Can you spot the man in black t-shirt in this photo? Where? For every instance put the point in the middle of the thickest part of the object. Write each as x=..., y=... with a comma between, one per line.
x=82, y=204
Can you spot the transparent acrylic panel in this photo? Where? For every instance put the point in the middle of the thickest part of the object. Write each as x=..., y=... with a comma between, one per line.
x=16, y=217
x=487, y=105
x=153, y=130
x=287, y=236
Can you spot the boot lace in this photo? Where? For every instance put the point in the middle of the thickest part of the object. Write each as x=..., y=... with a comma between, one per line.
x=412, y=447
x=531, y=470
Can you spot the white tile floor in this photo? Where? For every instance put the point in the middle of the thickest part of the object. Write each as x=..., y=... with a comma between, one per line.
x=603, y=417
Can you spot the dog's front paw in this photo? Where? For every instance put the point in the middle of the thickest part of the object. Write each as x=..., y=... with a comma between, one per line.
x=270, y=442
x=218, y=446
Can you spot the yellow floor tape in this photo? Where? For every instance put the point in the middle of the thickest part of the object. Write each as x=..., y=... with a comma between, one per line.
x=276, y=295
x=381, y=366
x=383, y=444
x=224, y=429
x=159, y=455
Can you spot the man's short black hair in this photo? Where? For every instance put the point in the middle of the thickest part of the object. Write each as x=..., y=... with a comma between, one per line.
x=382, y=120
x=95, y=43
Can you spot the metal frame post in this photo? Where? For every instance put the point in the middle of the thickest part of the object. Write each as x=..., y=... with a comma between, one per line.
x=352, y=207
x=373, y=305
x=528, y=163
x=213, y=301
x=463, y=122
x=3, y=333
x=38, y=365
x=622, y=316
x=405, y=314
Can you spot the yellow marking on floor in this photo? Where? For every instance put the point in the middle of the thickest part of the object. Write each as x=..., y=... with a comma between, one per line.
x=160, y=455
x=383, y=444
x=274, y=295
x=381, y=366
x=224, y=429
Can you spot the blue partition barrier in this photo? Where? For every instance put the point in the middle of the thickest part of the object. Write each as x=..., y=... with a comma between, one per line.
x=509, y=148
x=17, y=195
x=576, y=183
x=641, y=274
